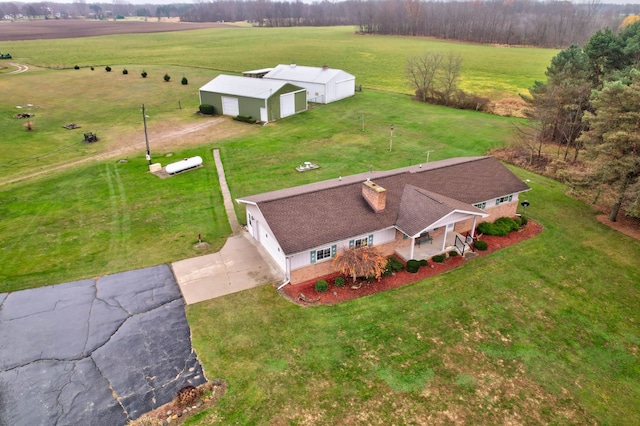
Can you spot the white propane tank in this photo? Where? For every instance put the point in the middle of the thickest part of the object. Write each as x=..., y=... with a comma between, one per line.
x=187, y=163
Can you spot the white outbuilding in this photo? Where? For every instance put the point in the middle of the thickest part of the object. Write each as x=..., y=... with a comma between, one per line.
x=323, y=84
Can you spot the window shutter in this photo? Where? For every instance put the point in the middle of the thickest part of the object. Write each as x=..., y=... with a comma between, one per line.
x=351, y=244
x=333, y=250
x=370, y=242
x=313, y=256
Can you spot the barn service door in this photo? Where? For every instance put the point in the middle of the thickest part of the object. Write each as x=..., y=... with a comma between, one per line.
x=287, y=105
x=263, y=115
x=230, y=106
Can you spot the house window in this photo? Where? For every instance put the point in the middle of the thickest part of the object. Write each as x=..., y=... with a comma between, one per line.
x=362, y=242
x=323, y=253
x=481, y=205
x=503, y=199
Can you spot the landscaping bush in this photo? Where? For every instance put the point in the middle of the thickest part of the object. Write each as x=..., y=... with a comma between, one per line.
x=107, y=68
x=507, y=223
x=524, y=220
x=438, y=258
x=144, y=74
x=184, y=81
x=339, y=281
x=453, y=253
x=76, y=67
x=394, y=265
x=424, y=262
x=207, y=109
x=518, y=220
x=167, y=77
x=481, y=245
x=125, y=72
x=489, y=228
x=413, y=266
x=321, y=286
x=245, y=119
x=92, y=68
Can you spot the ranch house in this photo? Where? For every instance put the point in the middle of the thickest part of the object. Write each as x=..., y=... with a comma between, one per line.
x=413, y=212
x=263, y=100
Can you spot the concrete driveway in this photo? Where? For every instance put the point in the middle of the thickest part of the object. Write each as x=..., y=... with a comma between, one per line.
x=240, y=265
x=94, y=352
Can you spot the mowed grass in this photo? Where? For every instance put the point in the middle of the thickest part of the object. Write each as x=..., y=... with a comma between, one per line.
x=544, y=332
x=105, y=103
x=332, y=136
x=107, y=217
x=376, y=61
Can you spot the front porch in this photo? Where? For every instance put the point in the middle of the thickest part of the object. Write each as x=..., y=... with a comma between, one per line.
x=428, y=249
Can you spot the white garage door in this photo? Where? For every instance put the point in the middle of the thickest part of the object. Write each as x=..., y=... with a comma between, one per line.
x=230, y=106
x=287, y=105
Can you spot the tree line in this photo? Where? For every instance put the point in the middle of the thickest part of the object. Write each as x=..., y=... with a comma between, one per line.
x=590, y=103
x=514, y=22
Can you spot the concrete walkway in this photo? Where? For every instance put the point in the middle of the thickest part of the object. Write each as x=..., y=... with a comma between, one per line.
x=240, y=265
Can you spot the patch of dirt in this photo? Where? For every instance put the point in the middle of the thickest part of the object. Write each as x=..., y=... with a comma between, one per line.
x=362, y=288
x=508, y=107
x=210, y=392
x=72, y=28
x=627, y=225
x=165, y=135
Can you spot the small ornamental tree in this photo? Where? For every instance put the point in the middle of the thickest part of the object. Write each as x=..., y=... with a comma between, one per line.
x=360, y=262
x=143, y=74
x=184, y=81
x=107, y=68
x=125, y=72
x=167, y=77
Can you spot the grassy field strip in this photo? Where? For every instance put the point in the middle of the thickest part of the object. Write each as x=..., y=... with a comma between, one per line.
x=377, y=61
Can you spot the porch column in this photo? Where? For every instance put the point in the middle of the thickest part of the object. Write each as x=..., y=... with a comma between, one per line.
x=444, y=239
x=473, y=229
x=413, y=244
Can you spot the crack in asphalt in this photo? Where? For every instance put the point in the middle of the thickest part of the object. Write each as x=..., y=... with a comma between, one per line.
x=114, y=394
x=41, y=359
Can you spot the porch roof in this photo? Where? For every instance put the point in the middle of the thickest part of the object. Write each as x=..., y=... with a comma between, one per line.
x=421, y=209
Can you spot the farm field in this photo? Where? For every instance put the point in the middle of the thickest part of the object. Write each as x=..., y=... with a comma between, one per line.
x=542, y=332
x=378, y=62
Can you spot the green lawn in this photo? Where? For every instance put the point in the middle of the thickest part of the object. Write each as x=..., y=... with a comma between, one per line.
x=544, y=332
x=376, y=61
x=107, y=217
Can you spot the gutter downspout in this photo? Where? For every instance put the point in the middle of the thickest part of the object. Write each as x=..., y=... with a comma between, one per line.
x=287, y=278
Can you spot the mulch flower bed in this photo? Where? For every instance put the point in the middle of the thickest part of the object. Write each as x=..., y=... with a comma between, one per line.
x=305, y=293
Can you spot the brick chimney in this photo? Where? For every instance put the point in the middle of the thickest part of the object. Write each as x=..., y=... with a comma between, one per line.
x=375, y=195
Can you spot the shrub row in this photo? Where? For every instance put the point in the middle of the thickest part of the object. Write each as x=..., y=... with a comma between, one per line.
x=501, y=227
x=144, y=74
x=245, y=119
x=207, y=109
x=322, y=286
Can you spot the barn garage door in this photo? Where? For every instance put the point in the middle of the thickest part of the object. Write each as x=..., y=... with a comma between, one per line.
x=230, y=106
x=287, y=105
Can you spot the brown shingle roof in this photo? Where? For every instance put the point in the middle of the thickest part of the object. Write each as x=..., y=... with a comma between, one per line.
x=320, y=213
x=419, y=209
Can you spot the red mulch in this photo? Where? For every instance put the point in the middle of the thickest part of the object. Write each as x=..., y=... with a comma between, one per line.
x=347, y=292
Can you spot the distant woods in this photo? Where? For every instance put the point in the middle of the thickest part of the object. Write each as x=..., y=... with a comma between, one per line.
x=515, y=22
x=590, y=103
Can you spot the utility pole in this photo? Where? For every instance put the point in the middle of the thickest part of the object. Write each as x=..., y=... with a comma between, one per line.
x=428, y=152
x=146, y=137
